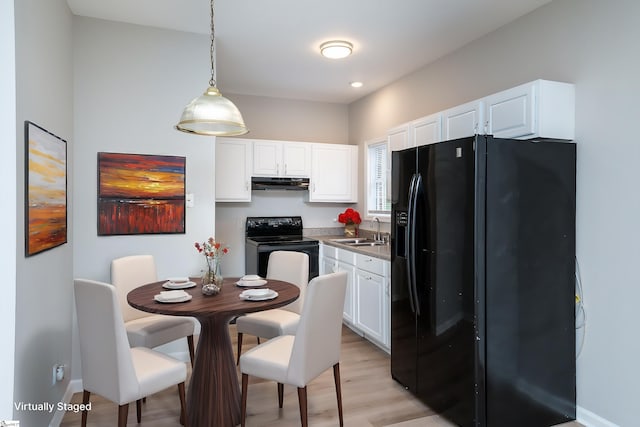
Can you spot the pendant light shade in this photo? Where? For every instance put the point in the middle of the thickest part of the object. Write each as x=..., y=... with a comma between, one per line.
x=211, y=113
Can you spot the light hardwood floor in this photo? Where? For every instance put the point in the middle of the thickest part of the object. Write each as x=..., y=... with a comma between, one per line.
x=371, y=398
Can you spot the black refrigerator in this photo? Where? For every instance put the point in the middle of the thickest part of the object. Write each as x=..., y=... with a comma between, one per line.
x=482, y=279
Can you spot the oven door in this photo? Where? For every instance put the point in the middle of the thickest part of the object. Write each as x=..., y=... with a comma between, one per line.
x=264, y=250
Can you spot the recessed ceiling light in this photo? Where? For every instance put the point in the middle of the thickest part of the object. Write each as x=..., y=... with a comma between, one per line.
x=336, y=49
x=355, y=84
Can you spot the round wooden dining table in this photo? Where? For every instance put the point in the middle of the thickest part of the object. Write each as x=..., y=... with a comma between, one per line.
x=213, y=397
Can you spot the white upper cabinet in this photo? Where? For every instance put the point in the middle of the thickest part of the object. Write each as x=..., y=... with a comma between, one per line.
x=539, y=109
x=233, y=170
x=280, y=158
x=463, y=120
x=334, y=173
x=426, y=130
x=398, y=138
x=423, y=131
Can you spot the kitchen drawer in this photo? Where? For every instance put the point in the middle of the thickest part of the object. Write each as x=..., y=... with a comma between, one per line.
x=329, y=251
x=346, y=256
x=370, y=264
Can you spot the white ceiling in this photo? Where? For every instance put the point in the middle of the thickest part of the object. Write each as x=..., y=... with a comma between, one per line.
x=270, y=47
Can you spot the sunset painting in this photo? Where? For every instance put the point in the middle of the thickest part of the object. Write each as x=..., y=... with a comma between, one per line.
x=140, y=194
x=45, y=190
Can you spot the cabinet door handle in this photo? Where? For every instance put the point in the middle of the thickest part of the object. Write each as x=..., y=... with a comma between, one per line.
x=277, y=168
x=285, y=168
x=246, y=185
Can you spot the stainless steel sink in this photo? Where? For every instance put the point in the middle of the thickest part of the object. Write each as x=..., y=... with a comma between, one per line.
x=368, y=243
x=359, y=241
x=351, y=240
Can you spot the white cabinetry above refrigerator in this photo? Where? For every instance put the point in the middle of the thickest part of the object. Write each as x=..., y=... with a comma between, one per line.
x=537, y=109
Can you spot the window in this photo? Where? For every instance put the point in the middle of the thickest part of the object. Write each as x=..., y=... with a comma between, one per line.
x=378, y=196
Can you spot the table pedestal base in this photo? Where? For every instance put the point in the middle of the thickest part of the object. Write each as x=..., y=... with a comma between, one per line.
x=214, y=374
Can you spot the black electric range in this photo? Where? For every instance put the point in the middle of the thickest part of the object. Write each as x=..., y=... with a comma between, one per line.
x=267, y=234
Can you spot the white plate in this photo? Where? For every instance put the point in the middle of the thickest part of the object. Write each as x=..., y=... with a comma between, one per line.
x=250, y=277
x=174, y=285
x=178, y=280
x=250, y=283
x=248, y=297
x=169, y=301
x=257, y=292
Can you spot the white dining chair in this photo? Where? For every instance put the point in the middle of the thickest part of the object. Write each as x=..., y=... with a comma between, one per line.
x=110, y=367
x=298, y=359
x=147, y=329
x=289, y=266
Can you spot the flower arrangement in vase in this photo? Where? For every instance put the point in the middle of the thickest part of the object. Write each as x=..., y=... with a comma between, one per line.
x=213, y=252
x=350, y=218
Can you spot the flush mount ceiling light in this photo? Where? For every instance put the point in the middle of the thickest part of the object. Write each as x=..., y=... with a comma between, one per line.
x=211, y=113
x=336, y=49
x=355, y=84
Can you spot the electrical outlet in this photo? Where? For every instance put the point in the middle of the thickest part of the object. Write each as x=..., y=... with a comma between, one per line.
x=57, y=374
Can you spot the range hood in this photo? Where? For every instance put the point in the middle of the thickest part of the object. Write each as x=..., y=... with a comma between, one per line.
x=271, y=183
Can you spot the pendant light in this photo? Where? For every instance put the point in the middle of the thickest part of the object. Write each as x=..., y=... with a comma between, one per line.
x=211, y=113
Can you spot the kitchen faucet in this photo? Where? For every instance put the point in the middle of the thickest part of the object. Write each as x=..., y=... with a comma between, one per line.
x=377, y=235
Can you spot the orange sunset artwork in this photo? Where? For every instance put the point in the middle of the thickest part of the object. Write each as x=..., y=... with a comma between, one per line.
x=46, y=214
x=140, y=194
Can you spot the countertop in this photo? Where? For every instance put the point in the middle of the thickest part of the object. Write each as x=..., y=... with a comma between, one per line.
x=382, y=251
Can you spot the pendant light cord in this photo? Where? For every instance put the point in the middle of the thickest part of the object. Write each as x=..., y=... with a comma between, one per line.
x=212, y=52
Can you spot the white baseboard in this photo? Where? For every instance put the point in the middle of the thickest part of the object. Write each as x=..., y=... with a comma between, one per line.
x=74, y=386
x=589, y=419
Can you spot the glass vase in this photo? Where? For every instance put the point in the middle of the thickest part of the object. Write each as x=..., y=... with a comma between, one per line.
x=212, y=279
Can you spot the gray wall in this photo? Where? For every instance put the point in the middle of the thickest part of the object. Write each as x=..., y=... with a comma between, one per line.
x=44, y=302
x=594, y=45
x=293, y=120
x=131, y=84
x=7, y=215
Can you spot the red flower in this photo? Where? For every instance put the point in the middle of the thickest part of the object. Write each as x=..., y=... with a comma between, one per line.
x=211, y=249
x=349, y=216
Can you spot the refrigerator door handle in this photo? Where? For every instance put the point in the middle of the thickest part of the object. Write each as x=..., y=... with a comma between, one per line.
x=407, y=240
x=413, y=207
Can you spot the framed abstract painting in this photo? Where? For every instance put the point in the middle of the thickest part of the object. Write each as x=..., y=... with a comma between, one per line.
x=140, y=194
x=45, y=189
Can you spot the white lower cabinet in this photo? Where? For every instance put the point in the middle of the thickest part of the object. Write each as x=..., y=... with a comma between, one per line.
x=349, y=303
x=367, y=302
x=370, y=296
x=334, y=260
